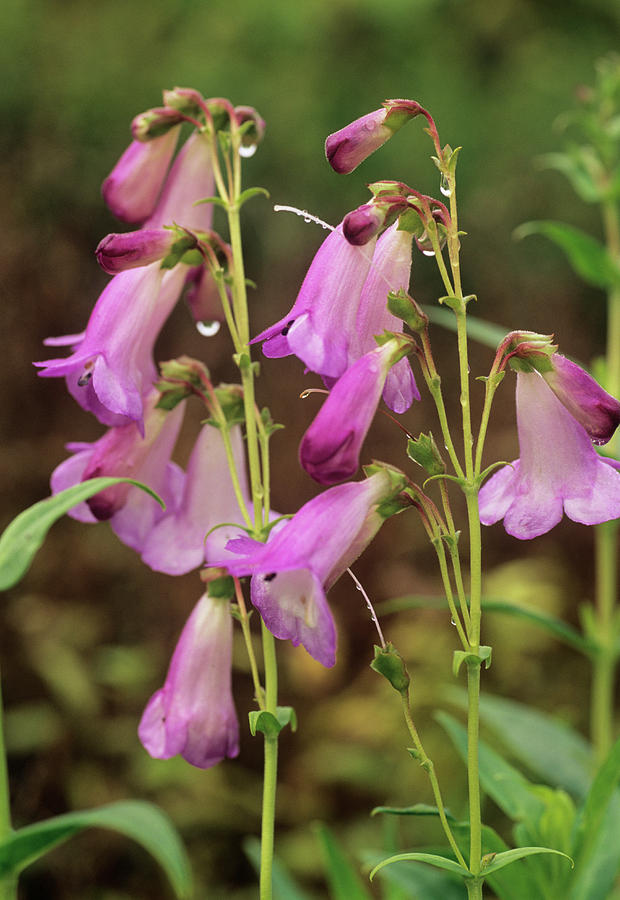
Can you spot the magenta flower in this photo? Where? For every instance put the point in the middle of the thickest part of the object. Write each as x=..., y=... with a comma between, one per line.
x=112, y=367
x=558, y=470
x=177, y=543
x=330, y=449
x=320, y=326
x=194, y=713
x=347, y=148
x=390, y=271
x=190, y=179
x=134, y=184
x=306, y=556
x=133, y=249
x=122, y=451
x=596, y=410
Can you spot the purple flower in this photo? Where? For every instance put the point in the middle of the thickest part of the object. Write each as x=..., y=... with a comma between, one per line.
x=347, y=148
x=190, y=179
x=321, y=324
x=596, y=410
x=132, y=249
x=329, y=450
x=194, y=714
x=306, y=556
x=133, y=186
x=122, y=451
x=390, y=271
x=112, y=367
x=177, y=543
x=558, y=470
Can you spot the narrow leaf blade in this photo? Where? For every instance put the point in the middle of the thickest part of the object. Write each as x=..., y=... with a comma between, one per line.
x=431, y=859
x=587, y=256
x=343, y=880
x=509, y=856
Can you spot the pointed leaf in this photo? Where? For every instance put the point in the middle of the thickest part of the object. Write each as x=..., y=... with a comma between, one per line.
x=431, y=859
x=557, y=627
x=587, y=256
x=23, y=536
x=420, y=882
x=342, y=878
x=249, y=193
x=143, y=822
x=284, y=887
x=500, y=860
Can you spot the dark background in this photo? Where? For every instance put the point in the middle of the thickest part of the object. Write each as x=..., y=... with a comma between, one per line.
x=87, y=636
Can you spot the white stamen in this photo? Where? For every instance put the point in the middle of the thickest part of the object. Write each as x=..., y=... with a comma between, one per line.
x=373, y=614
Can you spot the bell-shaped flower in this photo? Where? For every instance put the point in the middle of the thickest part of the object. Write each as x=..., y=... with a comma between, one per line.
x=123, y=452
x=190, y=179
x=193, y=714
x=321, y=325
x=134, y=184
x=307, y=555
x=112, y=367
x=558, y=470
x=584, y=398
x=177, y=543
x=330, y=449
x=390, y=272
x=347, y=148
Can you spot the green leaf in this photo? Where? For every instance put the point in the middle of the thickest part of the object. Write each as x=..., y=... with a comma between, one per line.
x=284, y=887
x=270, y=725
x=343, y=880
x=508, y=787
x=484, y=332
x=143, y=822
x=574, y=168
x=420, y=882
x=557, y=627
x=249, y=193
x=500, y=860
x=24, y=535
x=418, y=809
x=465, y=656
x=431, y=859
x=587, y=256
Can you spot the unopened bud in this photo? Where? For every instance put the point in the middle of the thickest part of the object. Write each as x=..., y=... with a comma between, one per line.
x=425, y=452
x=185, y=100
x=404, y=307
x=363, y=223
x=347, y=148
x=154, y=122
x=252, y=125
x=389, y=663
x=117, y=252
x=180, y=378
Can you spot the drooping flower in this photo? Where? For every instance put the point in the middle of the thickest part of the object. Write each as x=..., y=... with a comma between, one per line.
x=320, y=326
x=123, y=452
x=329, y=450
x=133, y=249
x=134, y=184
x=347, y=148
x=558, y=470
x=177, y=543
x=596, y=410
x=302, y=560
x=390, y=271
x=193, y=714
x=111, y=368
x=190, y=179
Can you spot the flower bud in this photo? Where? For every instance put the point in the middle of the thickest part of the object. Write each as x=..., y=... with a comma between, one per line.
x=252, y=124
x=347, y=148
x=155, y=122
x=363, y=223
x=186, y=101
x=595, y=410
x=389, y=663
x=132, y=249
x=404, y=307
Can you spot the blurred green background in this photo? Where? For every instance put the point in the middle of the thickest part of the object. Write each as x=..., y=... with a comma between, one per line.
x=87, y=636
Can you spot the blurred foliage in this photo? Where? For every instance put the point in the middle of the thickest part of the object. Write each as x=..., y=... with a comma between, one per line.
x=88, y=634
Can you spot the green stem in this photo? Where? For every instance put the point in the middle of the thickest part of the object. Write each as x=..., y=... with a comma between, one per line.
x=8, y=885
x=473, y=682
x=428, y=766
x=445, y=577
x=474, y=889
x=270, y=768
x=247, y=637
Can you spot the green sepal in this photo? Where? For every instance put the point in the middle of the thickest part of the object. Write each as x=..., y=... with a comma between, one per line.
x=466, y=656
x=222, y=588
x=389, y=663
x=182, y=248
x=424, y=451
x=270, y=725
x=230, y=399
x=22, y=537
x=251, y=192
x=411, y=222
x=180, y=378
x=268, y=424
x=395, y=502
x=403, y=344
x=404, y=307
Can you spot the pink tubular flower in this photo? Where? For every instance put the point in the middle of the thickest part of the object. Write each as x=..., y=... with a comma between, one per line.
x=190, y=179
x=347, y=148
x=320, y=326
x=194, y=714
x=122, y=451
x=111, y=367
x=558, y=470
x=596, y=410
x=133, y=186
x=302, y=560
x=329, y=450
x=177, y=543
x=390, y=271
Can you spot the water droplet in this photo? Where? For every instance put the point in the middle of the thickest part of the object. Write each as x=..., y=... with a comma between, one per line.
x=444, y=186
x=452, y=622
x=428, y=252
x=247, y=152
x=358, y=587
x=207, y=329
x=598, y=441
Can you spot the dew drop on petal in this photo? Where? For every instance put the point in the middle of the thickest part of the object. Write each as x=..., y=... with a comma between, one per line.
x=247, y=152
x=207, y=329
